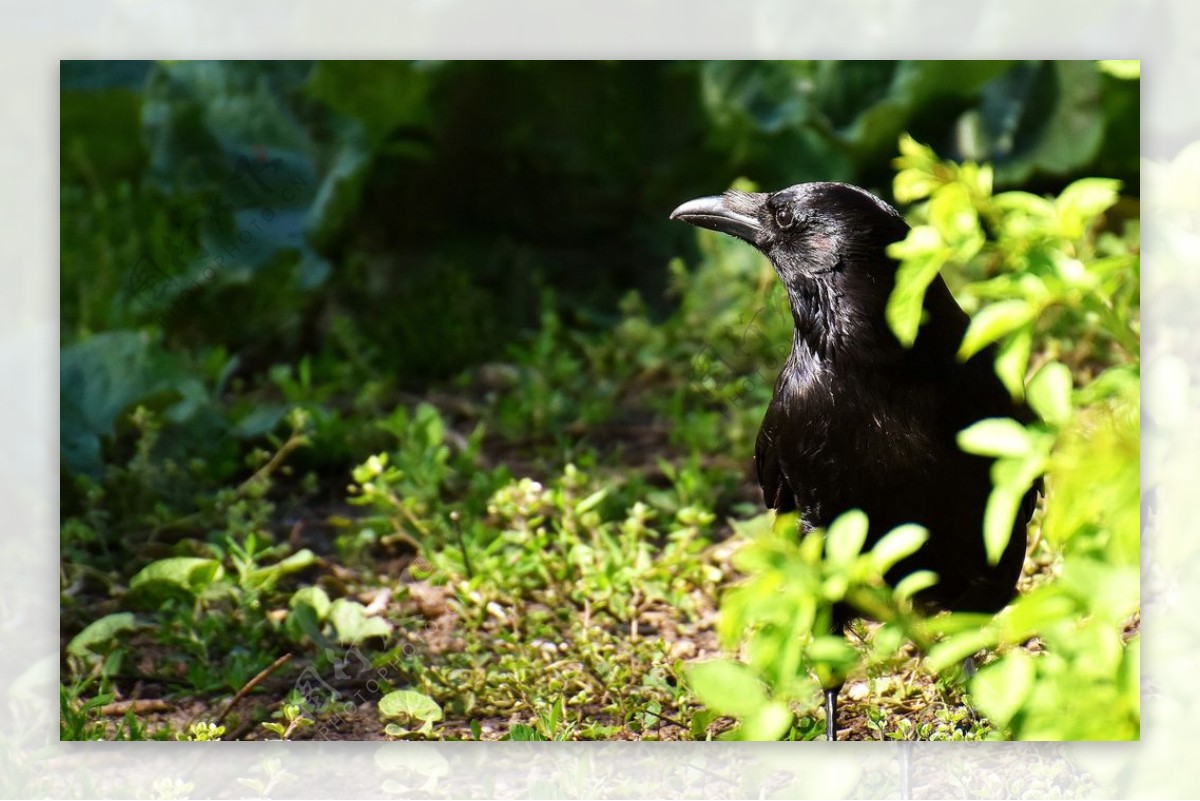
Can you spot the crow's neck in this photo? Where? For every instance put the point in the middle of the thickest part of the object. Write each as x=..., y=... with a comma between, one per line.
x=839, y=318
x=817, y=314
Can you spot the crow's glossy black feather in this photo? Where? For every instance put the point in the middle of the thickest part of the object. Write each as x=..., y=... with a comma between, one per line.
x=858, y=420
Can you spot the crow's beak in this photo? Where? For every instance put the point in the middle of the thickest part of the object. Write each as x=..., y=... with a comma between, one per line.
x=733, y=213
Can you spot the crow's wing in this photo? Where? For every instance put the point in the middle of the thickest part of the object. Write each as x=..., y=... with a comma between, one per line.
x=777, y=494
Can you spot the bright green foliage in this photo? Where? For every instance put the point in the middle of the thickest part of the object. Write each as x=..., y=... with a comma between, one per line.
x=782, y=614
x=1057, y=272
x=1046, y=274
x=203, y=731
x=543, y=578
x=1046, y=271
x=1084, y=685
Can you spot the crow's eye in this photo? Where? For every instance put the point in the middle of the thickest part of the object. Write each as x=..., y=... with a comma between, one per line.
x=784, y=217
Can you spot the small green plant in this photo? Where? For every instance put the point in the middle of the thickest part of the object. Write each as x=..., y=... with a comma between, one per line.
x=207, y=605
x=781, y=617
x=312, y=616
x=291, y=712
x=203, y=731
x=554, y=385
x=87, y=719
x=411, y=491
x=76, y=719
x=571, y=535
x=552, y=723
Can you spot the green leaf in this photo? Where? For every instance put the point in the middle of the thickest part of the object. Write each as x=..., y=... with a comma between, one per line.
x=189, y=572
x=352, y=625
x=954, y=649
x=1125, y=69
x=1002, y=687
x=259, y=421
x=266, y=577
x=922, y=255
x=591, y=502
x=180, y=577
x=428, y=420
x=339, y=197
x=1111, y=591
x=522, y=733
x=898, y=543
x=953, y=214
x=957, y=623
x=915, y=177
x=410, y=705
x=1016, y=205
x=98, y=634
x=1054, y=130
x=995, y=436
x=833, y=650
x=784, y=525
x=103, y=377
x=998, y=517
x=1012, y=478
x=728, y=687
x=845, y=538
x=768, y=724
x=396, y=730
x=1122, y=68
x=379, y=97
x=1041, y=609
x=1088, y=197
x=911, y=185
x=102, y=120
x=312, y=597
x=1012, y=360
x=913, y=583
x=994, y=321
x=309, y=607
x=1050, y=393
x=1082, y=201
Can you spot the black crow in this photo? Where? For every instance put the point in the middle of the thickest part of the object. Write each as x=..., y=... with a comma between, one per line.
x=857, y=419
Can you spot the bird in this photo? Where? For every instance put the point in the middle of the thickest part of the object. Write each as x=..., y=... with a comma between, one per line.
x=857, y=419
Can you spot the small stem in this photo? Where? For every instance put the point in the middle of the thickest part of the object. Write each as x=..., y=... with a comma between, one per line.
x=294, y=441
x=408, y=515
x=254, y=682
x=462, y=545
x=292, y=726
x=1119, y=329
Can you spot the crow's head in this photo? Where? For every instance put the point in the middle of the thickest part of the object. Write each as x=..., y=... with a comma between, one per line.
x=807, y=230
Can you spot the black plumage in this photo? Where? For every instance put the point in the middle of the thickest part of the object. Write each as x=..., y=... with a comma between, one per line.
x=858, y=420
